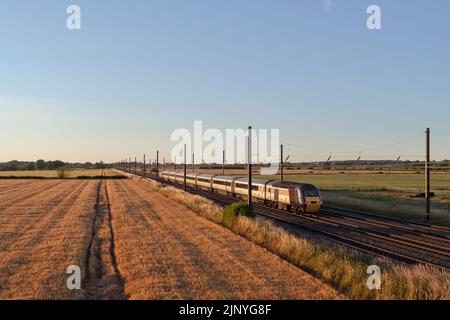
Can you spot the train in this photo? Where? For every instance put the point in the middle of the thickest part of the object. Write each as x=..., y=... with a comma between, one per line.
x=298, y=198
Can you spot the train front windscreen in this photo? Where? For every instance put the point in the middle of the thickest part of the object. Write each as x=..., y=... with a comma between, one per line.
x=310, y=191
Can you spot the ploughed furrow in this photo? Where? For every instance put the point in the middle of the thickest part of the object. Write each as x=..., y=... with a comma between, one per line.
x=33, y=261
x=102, y=280
x=166, y=251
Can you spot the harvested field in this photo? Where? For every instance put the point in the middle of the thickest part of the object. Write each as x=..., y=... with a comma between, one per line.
x=166, y=251
x=45, y=226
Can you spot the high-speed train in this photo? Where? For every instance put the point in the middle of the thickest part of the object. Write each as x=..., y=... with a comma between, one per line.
x=290, y=196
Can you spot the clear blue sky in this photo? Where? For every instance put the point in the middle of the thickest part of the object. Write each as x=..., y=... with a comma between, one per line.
x=137, y=70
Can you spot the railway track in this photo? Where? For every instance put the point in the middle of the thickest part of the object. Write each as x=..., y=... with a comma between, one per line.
x=402, y=240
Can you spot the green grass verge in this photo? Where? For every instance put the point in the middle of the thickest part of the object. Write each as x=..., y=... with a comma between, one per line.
x=235, y=210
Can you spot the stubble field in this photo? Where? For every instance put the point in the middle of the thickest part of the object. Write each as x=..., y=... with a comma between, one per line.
x=45, y=227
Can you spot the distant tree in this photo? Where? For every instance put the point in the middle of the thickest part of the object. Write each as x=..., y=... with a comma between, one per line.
x=52, y=165
x=88, y=165
x=12, y=165
x=100, y=165
x=40, y=164
x=30, y=166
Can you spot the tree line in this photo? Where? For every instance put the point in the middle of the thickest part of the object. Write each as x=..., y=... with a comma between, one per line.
x=41, y=164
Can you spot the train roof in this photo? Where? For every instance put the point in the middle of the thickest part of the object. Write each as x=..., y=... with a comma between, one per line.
x=288, y=184
x=203, y=175
x=224, y=178
x=254, y=181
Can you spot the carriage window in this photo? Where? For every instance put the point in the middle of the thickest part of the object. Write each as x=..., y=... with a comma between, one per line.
x=224, y=183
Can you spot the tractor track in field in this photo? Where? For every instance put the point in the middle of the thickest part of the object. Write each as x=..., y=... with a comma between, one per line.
x=102, y=278
x=402, y=240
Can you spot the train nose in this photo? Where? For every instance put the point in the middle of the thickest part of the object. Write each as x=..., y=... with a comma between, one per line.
x=313, y=204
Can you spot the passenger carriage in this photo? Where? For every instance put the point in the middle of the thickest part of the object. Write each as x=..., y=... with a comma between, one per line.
x=258, y=189
x=223, y=184
x=168, y=176
x=191, y=179
x=204, y=181
x=179, y=177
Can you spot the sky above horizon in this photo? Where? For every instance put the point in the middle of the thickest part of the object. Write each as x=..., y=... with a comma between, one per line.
x=138, y=70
